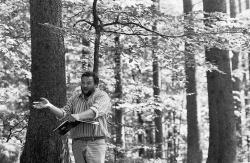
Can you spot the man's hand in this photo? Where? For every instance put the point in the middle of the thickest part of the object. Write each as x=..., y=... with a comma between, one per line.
x=44, y=103
x=72, y=117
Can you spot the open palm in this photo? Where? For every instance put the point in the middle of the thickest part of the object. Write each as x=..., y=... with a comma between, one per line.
x=44, y=103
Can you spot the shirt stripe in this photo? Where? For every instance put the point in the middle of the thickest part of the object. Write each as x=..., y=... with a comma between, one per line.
x=100, y=103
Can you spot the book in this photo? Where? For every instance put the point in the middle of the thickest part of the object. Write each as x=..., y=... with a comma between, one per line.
x=65, y=126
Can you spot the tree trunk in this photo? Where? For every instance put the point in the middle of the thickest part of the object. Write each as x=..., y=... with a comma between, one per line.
x=119, y=117
x=85, y=54
x=141, y=138
x=48, y=80
x=158, y=113
x=171, y=137
x=233, y=9
x=247, y=4
x=237, y=98
x=156, y=89
x=98, y=30
x=96, y=50
x=244, y=101
x=141, y=135
x=149, y=139
x=194, y=152
x=236, y=85
x=222, y=140
x=247, y=111
x=240, y=6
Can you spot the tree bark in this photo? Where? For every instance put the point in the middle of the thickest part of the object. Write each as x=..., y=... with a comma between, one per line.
x=222, y=140
x=158, y=113
x=141, y=138
x=240, y=6
x=96, y=50
x=194, y=152
x=85, y=54
x=156, y=88
x=98, y=31
x=149, y=140
x=236, y=85
x=247, y=4
x=48, y=80
x=237, y=98
x=119, y=113
x=233, y=9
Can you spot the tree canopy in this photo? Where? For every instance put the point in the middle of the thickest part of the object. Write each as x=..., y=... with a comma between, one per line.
x=89, y=29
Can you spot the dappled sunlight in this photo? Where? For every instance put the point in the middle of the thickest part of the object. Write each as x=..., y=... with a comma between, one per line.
x=173, y=80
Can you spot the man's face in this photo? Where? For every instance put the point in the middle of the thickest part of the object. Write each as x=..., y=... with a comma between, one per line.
x=87, y=85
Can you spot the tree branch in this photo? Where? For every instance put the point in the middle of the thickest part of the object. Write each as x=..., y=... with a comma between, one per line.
x=19, y=130
x=95, y=15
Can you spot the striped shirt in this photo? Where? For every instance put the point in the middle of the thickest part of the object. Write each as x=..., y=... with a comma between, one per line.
x=100, y=103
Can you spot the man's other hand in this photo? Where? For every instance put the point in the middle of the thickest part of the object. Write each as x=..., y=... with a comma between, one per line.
x=72, y=117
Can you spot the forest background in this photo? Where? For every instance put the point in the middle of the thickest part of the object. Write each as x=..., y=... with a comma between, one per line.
x=153, y=60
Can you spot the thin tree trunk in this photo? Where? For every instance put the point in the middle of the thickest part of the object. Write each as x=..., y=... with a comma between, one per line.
x=98, y=31
x=85, y=54
x=247, y=102
x=156, y=89
x=247, y=4
x=243, y=58
x=222, y=140
x=119, y=113
x=237, y=97
x=140, y=135
x=149, y=139
x=194, y=152
x=236, y=85
x=158, y=113
x=96, y=50
x=172, y=136
x=240, y=6
x=233, y=9
x=48, y=80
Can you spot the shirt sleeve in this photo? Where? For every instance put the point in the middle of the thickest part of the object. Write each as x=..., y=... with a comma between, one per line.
x=68, y=108
x=101, y=105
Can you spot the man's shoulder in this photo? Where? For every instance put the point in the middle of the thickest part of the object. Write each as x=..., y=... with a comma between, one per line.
x=101, y=92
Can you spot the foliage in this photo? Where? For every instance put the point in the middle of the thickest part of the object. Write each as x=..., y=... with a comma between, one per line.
x=14, y=58
x=132, y=20
x=15, y=75
x=14, y=126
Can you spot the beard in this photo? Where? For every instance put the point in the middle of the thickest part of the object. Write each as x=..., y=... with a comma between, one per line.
x=87, y=94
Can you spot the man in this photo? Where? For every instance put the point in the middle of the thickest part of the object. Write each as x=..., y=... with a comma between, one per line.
x=88, y=140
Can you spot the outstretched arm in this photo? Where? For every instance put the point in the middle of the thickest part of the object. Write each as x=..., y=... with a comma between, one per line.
x=44, y=103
